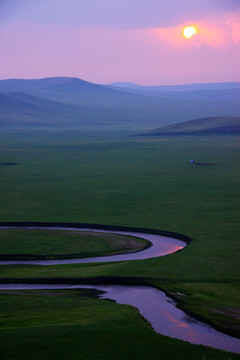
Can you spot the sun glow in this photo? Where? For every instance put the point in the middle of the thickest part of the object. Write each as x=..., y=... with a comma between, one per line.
x=189, y=31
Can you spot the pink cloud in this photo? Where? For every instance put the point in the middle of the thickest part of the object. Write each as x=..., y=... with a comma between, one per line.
x=233, y=22
x=103, y=55
x=213, y=32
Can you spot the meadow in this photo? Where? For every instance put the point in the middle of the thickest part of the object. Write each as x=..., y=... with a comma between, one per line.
x=118, y=179
x=73, y=324
x=29, y=244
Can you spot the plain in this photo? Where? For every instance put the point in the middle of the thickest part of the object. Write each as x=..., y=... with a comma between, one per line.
x=115, y=179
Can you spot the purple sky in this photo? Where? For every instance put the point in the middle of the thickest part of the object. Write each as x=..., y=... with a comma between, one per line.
x=121, y=40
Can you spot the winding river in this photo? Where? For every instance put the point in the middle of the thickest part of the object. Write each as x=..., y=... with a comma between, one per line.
x=161, y=246
x=153, y=304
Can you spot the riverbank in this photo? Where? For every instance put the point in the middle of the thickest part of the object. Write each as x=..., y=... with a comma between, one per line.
x=73, y=177
x=72, y=324
x=149, y=244
x=39, y=243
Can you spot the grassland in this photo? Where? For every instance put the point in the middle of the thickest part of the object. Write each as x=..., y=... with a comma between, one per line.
x=24, y=244
x=73, y=324
x=117, y=180
x=213, y=125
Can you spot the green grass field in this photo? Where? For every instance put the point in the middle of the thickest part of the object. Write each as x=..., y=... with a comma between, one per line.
x=114, y=179
x=72, y=324
x=24, y=244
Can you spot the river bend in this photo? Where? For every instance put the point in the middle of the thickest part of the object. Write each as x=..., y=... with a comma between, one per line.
x=161, y=245
x=157, y=308
x=152, y=303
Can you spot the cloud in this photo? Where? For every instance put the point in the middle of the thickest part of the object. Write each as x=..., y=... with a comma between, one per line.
x=116, y=14
x=103, y=55
x=9, y=7
x=142, y=43
x=233, y=22
x=214, y=32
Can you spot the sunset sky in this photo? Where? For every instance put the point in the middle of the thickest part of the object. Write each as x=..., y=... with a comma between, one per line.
x=104, y=41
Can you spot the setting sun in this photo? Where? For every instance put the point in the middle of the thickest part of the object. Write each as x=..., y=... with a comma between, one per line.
x=189, y=31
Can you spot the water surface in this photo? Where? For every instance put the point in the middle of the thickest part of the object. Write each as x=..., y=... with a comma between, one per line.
x=153, y=304
x=157, y=308
x=161, y=245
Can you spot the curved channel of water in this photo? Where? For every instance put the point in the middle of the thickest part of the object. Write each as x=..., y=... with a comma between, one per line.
x=157, y=308
x=153, y=304
x=161, y=245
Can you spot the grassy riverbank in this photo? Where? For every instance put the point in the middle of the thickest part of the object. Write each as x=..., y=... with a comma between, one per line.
x=31, y=244
x=70, y=324
x=118, y=180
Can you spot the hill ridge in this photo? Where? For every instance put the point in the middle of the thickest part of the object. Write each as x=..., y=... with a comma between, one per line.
x=217, y=125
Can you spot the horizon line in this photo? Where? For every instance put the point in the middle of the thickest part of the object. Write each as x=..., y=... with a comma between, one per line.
x=119, y=82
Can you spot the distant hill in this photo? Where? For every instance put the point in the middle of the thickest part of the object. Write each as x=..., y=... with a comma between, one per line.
x=67, y=83
x=218, y=91
x=75, y=102
x=176, y=88
x=18, y=109
x=212, y=125
x=126, y=85
x=65, y=89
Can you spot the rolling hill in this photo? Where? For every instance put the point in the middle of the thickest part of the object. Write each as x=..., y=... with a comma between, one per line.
x=218, y=91
x=212, y=125
x=75, y=102
x=19, y=109
x=69, y=90
x=175, y=88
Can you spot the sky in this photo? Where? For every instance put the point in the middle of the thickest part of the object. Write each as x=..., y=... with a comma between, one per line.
x=105, y=41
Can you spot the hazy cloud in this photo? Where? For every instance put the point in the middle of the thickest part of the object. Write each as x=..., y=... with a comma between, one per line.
x=213, y=31
x=101, y=55
x=117, y=14
x=120, y=40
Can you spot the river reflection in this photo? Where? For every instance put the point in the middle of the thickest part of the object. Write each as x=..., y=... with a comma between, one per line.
x=158, y=309
x=153, y=304
x=161, y=245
